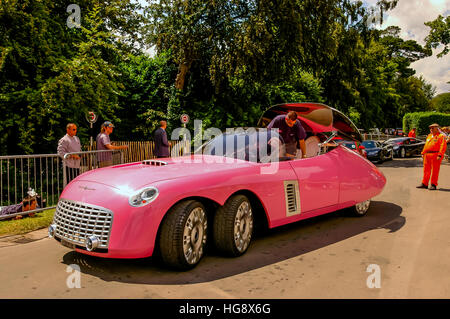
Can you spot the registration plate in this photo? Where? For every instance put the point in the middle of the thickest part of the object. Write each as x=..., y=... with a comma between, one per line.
x=67, y=244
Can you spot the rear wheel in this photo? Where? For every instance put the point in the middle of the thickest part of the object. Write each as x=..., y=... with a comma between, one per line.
x=183, y=235
x=233, y=226
x=361, y=209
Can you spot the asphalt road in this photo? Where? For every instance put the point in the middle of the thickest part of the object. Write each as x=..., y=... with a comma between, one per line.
x=404, y=238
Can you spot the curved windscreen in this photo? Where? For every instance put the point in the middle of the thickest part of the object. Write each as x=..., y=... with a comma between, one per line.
x=369, y=144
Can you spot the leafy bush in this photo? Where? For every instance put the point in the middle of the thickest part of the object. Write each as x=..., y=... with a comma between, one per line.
x=421, y=121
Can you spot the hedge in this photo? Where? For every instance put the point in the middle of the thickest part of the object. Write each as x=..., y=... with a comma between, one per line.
x=421, y=121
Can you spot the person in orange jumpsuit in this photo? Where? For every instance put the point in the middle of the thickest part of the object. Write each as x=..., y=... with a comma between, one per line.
x=412, y=133
x=433, y=153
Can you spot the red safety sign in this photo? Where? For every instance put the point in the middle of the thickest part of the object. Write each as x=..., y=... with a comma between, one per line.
x=91, y=117
x=184, y=119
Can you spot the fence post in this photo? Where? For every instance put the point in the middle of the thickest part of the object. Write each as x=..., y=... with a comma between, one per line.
x=64, y=173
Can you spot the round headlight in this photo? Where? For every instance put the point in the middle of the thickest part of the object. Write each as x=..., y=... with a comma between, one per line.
x=52, y=230
x=149, y=194
x=143, y=197
x=92, y=243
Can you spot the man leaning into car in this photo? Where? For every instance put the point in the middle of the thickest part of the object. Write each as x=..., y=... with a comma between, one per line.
x=291, y=130
x=433, y=153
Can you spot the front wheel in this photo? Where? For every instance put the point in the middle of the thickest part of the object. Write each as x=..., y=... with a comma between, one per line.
x=233, y=226
x=402, y=153
x=361, y=209
x=183, y=235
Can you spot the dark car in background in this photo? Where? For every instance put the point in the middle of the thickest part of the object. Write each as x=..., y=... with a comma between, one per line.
x=355, y=146
x=399, y=132
x=406, y=146
x=377, y=151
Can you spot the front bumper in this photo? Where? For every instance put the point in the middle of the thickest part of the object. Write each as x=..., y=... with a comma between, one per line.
x=88, y=209
x=74, y=222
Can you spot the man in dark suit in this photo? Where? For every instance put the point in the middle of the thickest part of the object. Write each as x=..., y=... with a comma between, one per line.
x=161, y=142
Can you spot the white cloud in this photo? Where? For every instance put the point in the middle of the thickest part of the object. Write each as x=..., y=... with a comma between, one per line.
x=435, y=70
x=410, y=16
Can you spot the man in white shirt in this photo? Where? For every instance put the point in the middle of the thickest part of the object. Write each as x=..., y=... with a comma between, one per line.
x=70, y=143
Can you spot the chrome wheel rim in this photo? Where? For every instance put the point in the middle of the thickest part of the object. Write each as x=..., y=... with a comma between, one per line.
x=194, y=235
x=402, y=152
x=362, y=207
x=243, y=226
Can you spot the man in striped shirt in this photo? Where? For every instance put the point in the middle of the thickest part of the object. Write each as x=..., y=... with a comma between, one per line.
x=104, y=143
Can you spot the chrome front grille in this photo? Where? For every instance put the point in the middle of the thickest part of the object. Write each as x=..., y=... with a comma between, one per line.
x=75, y=221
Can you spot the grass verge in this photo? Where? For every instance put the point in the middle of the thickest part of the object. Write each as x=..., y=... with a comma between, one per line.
x=26, y=224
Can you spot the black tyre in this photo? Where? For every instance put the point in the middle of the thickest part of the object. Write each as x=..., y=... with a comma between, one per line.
x=360, y=209
x=183, y=235
x=233, y=226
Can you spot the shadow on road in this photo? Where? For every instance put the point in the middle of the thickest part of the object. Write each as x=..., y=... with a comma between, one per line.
x=415, y=161
x=403, y=162
x=275, y=245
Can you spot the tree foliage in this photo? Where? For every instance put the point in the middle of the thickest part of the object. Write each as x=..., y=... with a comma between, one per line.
x=439, y=34
x=220, y=61
x=50, y=74
x=441, y=103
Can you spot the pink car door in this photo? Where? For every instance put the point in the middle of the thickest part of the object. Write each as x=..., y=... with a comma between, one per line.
x=318, y=181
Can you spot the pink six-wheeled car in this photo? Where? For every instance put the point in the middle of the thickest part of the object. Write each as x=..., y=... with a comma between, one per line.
x=173, y=206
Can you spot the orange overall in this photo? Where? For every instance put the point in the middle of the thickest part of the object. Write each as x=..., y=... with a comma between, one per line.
x=434, y=146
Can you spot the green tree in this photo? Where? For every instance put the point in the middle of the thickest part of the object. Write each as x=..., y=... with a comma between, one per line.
x=441, y=103
x=36, y=47
x=439, y=34
x=413, y=95
x=192, y=29
x=85, y=82
x=148, y=85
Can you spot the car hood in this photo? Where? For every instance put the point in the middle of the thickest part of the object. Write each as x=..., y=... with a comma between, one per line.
x=139, y=174
x=315, y=118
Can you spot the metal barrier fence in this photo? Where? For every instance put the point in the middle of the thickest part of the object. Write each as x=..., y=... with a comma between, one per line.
x=47, y=174
x=42, y=173
x=141, y=150
x=77, y=163
x=384, y=137
x=377, y=137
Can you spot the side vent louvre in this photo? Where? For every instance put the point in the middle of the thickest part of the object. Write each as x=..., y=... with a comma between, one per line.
x=154, y=163
x=292, y=197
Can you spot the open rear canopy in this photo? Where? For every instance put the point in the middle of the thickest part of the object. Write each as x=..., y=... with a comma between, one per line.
x=315, y=118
